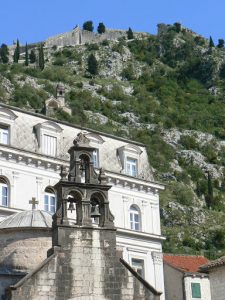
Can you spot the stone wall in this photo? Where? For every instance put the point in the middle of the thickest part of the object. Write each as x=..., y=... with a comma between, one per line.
x=23, y=249
x=173, y=283
x=78, y=36
x=86, y=266
x=217, y=283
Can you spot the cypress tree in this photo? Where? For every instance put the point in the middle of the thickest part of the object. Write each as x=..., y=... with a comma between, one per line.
x=41, y=58
x=32, y=57
x=101, y=28
x=4, y=53
x=26, y=56
x=92, y=64
x=16, y=55
x=130, y=34
x=209, y=196
x=211, y=43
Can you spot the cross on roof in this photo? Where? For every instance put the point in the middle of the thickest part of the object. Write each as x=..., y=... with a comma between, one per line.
x=33, y=201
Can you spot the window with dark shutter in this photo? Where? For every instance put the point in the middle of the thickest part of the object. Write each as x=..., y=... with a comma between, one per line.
x=196, y=290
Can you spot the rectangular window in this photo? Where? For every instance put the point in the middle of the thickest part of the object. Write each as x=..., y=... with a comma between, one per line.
x=138, y=266
x=134, y=220
x=4, y=135
x=4, y=194
x=131, y=166
x=95, y=158
x=49, y=203
x=196, y=290
x=49, y=145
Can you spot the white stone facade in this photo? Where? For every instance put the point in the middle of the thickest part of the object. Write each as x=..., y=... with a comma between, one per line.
x=34, y=148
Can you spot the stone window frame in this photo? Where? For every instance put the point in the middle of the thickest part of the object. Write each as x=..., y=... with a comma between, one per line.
x=135, y=254
x=134, y=209
x=129, y=151
x=4, y=182
x=7, y=119
x=49, y=191
x=51, y=129
x=95, y=141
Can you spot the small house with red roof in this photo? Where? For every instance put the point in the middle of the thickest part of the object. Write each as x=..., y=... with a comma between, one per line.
x=183, y=278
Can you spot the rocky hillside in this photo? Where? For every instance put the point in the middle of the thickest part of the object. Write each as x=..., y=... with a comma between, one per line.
x=167, y=91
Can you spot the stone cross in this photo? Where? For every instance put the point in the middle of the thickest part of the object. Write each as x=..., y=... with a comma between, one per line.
x=33, y=201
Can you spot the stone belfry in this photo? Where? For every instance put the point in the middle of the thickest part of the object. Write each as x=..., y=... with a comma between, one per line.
x=82, y=192
x=83, y=263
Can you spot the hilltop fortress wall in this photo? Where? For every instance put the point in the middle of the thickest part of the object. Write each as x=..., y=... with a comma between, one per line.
x=78, y=37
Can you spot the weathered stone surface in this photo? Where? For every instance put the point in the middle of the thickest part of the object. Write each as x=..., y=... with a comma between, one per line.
x=84, y=267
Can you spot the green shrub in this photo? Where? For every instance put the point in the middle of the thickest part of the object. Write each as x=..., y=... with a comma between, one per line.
x=59, y=61
x=29, y=96
x=189, y=142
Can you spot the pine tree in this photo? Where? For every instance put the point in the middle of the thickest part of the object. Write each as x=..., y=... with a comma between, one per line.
x=88, y=25
x=4, y=53
x=130, y=34
x=32, y=57
x=101, y=28
x=211, y=43
x=92, y=65
x=41, y=58
x=16, y=55
x=26, y=56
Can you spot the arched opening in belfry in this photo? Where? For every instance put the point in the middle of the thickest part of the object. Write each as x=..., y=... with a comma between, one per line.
x=74, y=207
x=97, y=209
x=84, y=168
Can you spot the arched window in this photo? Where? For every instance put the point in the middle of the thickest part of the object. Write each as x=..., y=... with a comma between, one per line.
x=135, y=218
x=4, y=192
x=49, y=200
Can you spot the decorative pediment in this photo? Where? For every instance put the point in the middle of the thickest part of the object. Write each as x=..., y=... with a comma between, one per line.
x=49, y=126
x=94, y=138
x=133, y=149
x=6, y=115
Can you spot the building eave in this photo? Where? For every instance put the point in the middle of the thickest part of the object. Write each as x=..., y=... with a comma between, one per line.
x=139, y=234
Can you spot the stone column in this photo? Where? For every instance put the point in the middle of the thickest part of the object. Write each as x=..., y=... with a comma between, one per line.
x=158, y=268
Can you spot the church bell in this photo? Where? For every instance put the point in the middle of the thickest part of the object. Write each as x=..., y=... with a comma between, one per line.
x=71, y=206
x=95, y=212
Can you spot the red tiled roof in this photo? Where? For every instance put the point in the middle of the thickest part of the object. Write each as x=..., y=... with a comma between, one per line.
x=185, y=263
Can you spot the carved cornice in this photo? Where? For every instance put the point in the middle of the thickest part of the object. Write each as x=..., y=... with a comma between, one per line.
x=31, y=159
x=37, y=160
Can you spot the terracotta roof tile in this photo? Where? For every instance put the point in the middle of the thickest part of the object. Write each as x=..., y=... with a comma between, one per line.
x=185, y=263
x=213, y=264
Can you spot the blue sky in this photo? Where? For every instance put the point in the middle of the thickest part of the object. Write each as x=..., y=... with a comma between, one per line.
x=35, y=20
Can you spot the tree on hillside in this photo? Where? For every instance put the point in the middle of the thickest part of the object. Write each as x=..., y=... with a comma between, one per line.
x=101, y=28
x=16, y=55
x=92, y=64
x=32, y=57
x=41, y=59
x=26, y=56
x=220, y=43
x=88, y=25
x=178, y=27
x=209, y=197
x=130, y=34
x=4, y=53
x=211, y=43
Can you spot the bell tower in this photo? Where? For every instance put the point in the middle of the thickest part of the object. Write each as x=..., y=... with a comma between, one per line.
x=81, y=193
